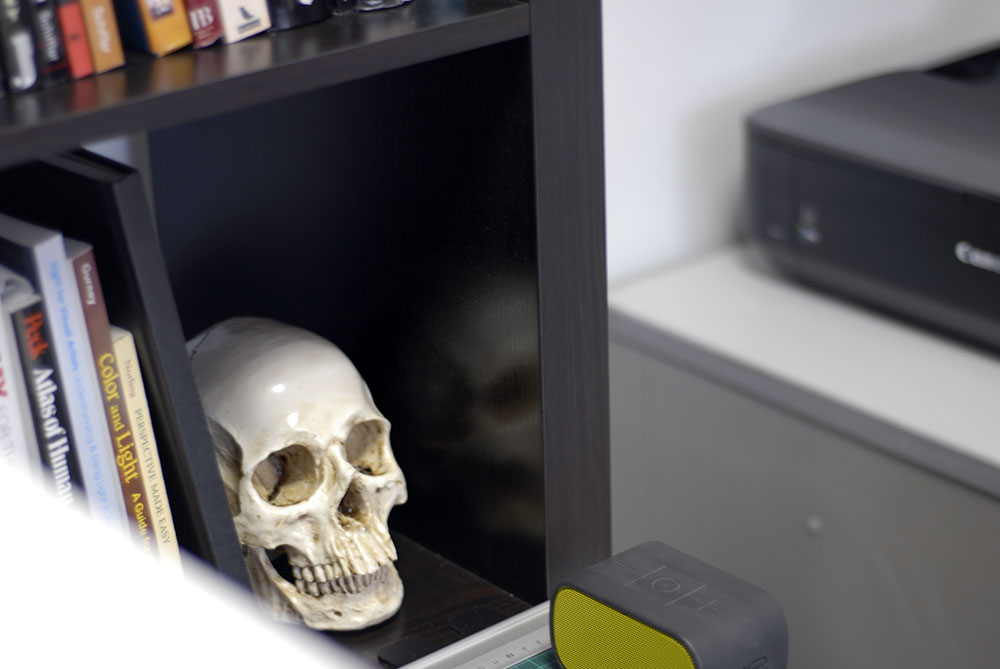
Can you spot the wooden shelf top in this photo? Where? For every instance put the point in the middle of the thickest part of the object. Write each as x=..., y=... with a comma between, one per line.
x=438, y=592
x=149, y=93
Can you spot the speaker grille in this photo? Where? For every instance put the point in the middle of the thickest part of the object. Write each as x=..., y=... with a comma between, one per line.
x=590, y=635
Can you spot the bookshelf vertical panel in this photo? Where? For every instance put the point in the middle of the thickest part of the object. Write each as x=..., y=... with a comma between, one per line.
x=569, y=177
x=105, y=205
x=203, y=519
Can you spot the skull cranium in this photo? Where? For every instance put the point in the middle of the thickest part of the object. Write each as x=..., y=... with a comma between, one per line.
x=308, y=469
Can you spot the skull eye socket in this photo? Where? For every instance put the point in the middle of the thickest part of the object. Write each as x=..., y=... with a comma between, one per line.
x=288, y=476
x=364, y=447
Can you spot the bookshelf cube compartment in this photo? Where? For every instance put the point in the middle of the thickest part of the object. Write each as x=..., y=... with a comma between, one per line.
x=394, y=216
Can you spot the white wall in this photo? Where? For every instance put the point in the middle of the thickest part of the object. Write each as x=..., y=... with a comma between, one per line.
x=679, y=77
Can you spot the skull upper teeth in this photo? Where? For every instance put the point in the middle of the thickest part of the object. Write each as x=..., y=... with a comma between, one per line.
x=315, y=580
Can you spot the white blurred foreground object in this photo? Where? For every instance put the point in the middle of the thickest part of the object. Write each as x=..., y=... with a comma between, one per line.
x=90, y=589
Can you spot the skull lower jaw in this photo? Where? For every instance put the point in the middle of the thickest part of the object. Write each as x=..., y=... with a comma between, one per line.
x=377, y=597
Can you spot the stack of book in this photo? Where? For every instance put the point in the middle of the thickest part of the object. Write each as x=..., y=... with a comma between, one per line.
x=47, y=42
x=73, y=409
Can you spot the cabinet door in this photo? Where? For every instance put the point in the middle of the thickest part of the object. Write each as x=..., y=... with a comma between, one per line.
x=876, y=562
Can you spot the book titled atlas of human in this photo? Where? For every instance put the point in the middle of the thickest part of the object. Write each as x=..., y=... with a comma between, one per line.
x=39, y=254
x=137, y=407
x=95, y=312
x=57, y=448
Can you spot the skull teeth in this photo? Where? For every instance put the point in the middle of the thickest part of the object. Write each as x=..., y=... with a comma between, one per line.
x=369, y=564
x=317, y=581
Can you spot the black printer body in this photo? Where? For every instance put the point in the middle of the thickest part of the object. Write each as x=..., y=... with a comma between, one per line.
x=887, y=191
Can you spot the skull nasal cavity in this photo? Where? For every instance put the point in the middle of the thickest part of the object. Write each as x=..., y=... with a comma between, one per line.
x=363, y=447
x=353, y=507
x=288, y=476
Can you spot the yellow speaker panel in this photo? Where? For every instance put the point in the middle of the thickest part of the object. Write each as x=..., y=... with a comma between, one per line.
x=654, y=607
x=590, y=635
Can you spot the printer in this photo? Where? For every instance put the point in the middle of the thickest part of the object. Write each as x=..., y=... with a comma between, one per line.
x=887, y=192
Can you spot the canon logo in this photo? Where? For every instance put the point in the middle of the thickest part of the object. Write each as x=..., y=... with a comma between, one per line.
x=981, y=258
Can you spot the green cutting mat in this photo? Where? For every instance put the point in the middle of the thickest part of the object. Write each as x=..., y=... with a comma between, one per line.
x=546, y=660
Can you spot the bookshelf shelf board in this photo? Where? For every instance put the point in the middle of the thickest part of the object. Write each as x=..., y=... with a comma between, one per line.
x=439, y=594
x=151, y=93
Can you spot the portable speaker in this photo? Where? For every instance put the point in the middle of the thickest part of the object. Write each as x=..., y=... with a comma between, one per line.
x=655, y=607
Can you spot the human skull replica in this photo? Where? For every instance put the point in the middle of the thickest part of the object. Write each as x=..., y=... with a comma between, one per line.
x=308, y=471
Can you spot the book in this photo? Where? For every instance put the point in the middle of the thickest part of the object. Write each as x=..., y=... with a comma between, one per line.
x=39, y=254
x=57, y=448
x=158, y=27
x=95, y=313
x=137, y=408
x=74, y=34
x=18, y=443
x=243, y=18
x=50, y=55
x=102, y=35
x=17, y=47
x=205, y=22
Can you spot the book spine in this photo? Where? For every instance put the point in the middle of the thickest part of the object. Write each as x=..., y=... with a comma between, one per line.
x=56, y=447
x=243, y=18
x=18, y=443
x=130, y=474
x=17, y=47
x=18, y=447
x=61, y=300
x=158, y=27
x=50, y=56
x=205, y=22
x=102, y=35
x=74, y=35
x=138, y=409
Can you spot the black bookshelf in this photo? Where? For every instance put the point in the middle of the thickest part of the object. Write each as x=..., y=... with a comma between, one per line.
x=149, y=93
x=459, y=143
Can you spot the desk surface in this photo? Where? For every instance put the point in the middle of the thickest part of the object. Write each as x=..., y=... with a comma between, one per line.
x=939, y=399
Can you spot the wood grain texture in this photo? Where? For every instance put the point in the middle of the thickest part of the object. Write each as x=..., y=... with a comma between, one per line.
x=569, y=174
x=393, y=215
x=153, y=93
